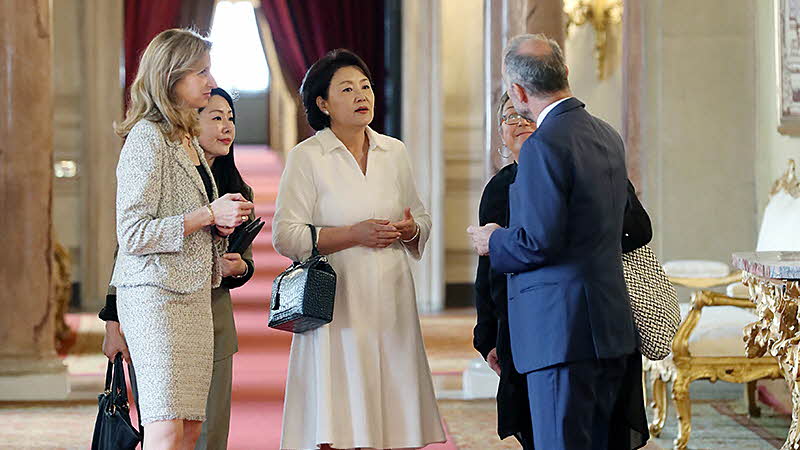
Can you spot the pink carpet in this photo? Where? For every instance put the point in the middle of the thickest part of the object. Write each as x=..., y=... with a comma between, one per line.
x=259, y=369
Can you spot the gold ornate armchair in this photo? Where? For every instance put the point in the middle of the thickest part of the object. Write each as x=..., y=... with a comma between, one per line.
x=709, y=343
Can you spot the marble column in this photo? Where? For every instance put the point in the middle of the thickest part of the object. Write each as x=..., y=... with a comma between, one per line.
x=633, y=88
x=422, y=134
x=29, y=367
x=463, y=115
x=504, y=19
x=102, y=34
x=546, y=16
x=87, y=36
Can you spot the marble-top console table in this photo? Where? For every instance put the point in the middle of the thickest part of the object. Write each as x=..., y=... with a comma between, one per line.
x=773, y=279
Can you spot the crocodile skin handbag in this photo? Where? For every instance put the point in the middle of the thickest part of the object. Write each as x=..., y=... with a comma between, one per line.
x=303, y=295
x=653, y=301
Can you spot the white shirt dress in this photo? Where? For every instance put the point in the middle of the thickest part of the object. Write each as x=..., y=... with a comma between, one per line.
x=363, y=380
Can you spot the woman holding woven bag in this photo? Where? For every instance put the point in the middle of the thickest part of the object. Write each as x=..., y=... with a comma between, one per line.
x=491, y=335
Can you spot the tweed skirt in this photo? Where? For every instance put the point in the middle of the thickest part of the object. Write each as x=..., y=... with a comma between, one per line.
x=171, y=340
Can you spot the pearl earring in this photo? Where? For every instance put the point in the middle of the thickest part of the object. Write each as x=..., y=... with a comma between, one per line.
x=326, y=113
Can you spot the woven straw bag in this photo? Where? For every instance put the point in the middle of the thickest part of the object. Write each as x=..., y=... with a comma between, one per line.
x=653, y=301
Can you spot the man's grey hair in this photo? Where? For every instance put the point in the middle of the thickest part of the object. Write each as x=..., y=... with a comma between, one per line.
x=539, y=75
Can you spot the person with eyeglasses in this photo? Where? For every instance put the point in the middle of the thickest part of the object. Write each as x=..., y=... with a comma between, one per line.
x=572, y=212
x=491, y=336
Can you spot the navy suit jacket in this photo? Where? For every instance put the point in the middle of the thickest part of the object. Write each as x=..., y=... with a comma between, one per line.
x=567, y=299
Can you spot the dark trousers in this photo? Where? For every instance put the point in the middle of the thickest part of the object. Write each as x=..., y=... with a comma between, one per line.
x=572, y=403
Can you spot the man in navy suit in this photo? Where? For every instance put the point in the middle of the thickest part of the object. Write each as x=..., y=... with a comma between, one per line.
x=569, y=313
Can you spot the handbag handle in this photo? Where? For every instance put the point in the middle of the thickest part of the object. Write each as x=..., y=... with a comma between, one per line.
x=119, y=388
x=314, y=249
x=314, y=253
x=120, y=384
x=109, y=370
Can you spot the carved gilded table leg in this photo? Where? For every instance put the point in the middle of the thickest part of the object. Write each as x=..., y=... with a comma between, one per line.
x=776, y=332
x=661, y=374
x=659, y=405
x=793, y=440
x=683, y=405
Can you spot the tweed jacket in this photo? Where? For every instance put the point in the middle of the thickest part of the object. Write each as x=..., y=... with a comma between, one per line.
x=225, y=340
x=156, y=185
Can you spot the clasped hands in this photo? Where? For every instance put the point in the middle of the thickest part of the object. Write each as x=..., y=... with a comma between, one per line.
x=381, y=233
x=480, y=237
x=229, y=211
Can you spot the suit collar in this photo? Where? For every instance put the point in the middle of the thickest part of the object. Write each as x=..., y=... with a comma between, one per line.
x=327, y=138
x=566, y=105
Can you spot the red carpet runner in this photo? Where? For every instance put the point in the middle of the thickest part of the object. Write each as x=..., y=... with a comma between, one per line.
x=259, y=369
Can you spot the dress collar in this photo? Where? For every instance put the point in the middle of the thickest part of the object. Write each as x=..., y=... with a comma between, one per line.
x=330, y=142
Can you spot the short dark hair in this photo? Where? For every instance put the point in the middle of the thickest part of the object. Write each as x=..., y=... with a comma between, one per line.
x=539, y=75
x=318, y=79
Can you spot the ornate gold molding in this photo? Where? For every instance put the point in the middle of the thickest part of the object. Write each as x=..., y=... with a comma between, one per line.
x=602, y=14
x=705, y=283
x=777, y=332
x=788, y=182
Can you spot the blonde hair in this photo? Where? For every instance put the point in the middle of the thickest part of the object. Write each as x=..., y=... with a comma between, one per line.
x=168, y=58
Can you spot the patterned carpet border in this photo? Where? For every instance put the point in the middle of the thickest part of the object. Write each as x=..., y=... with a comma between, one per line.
x=725, y=409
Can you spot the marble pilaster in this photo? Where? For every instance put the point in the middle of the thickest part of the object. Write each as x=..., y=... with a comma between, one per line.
x=29, y=367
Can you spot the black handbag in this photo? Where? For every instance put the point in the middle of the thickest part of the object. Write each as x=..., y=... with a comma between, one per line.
x=303, y=294
x=113, y=429
x=243, y=236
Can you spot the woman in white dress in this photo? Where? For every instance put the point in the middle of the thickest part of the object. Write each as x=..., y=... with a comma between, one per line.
x=363, y=380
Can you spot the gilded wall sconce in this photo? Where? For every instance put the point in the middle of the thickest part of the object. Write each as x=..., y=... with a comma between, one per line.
x=602, y=14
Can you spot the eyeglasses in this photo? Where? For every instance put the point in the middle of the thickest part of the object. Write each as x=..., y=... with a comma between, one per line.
x=514, y=119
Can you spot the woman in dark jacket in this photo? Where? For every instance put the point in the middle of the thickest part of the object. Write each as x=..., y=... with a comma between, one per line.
x=491, y=334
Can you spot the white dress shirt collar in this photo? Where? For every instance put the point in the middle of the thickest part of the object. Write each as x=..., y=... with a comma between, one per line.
x=547, y=109
x=330, y=142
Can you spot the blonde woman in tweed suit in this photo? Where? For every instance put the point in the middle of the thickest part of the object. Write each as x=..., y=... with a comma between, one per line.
x=170, y=230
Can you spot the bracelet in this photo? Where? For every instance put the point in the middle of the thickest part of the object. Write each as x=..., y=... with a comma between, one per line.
x=246, y=269
x=416, y=235
x=211, y=211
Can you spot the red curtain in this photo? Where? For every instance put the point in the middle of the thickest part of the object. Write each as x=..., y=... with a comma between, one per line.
x=303, y=31
x=144, y=19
